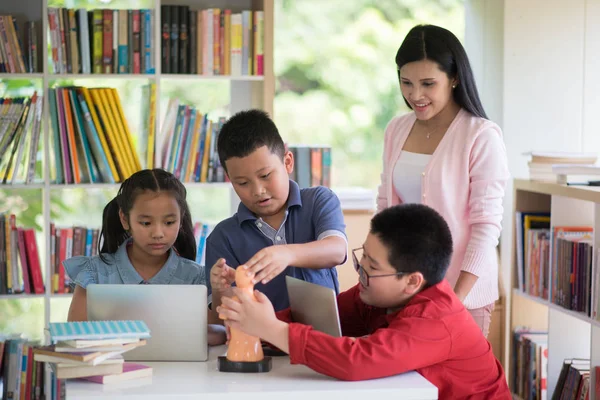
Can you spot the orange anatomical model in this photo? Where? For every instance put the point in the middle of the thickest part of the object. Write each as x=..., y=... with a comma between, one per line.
x=243, y=347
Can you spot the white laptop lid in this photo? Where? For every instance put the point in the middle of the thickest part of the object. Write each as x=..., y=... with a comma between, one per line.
x=175, y=314
x=314, y=305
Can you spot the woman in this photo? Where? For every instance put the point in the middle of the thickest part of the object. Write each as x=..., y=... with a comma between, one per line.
x=448, y=155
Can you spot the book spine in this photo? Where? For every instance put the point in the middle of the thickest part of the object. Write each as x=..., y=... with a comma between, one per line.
x=184, y=41
x=123, y=43
x=193, y=39
x=174, y=53
x=97, y=47
x=165, y=16
x=74, y=43
x=137, y=67
x=115, y=41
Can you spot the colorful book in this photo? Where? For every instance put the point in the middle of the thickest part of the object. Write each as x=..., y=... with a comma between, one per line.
x=98, y=330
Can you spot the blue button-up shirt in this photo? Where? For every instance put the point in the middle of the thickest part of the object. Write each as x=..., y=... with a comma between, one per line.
x=312, y=214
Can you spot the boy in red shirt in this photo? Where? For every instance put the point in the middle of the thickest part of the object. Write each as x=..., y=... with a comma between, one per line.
x=401, y=316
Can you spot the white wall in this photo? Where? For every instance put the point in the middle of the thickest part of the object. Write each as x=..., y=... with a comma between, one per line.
x=484, y=38
x=537, y=65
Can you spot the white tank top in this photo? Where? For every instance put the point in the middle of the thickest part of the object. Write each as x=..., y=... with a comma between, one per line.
x=407, y=175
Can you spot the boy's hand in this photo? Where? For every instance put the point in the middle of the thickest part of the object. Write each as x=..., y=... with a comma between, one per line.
x=255, y=318
x=221, y=276
x=269, y=262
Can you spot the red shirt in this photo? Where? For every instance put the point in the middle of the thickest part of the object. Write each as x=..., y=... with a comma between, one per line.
x=433, y=334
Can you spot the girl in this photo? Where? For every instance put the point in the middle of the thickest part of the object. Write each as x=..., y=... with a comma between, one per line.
x=147, y=238
x=448, y=155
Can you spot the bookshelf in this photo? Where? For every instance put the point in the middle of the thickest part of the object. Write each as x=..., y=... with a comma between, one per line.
x=245, y=92
x=571, y=334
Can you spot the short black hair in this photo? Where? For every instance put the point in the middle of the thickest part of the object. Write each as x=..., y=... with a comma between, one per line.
x=430, y=42
x=418, y=239
x=247, y=131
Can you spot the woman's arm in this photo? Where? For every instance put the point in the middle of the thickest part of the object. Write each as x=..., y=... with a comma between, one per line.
x=78, y=308
x=488, y=173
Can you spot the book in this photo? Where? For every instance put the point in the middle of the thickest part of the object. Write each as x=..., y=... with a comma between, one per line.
x=562, y=157
x=130, y=371
x=69, y=371
x=98, y=330
x=49, y=354
x=114, y=347
x=86, y=344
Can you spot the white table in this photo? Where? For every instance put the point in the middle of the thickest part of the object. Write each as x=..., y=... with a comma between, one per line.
x=202, y=380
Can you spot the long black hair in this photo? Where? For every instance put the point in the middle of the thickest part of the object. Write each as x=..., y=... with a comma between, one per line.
x=155, y=180
x=430, y=42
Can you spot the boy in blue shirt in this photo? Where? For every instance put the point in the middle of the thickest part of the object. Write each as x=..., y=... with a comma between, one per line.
x=279, y=229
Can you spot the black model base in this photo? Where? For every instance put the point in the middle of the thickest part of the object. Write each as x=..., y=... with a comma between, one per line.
x=226, y=365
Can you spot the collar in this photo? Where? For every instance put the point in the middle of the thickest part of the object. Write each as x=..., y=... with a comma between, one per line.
x=130, y=276
x=294, y=199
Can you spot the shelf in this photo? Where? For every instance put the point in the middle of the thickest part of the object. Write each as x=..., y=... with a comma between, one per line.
x=101, y=76
x=190, y=77
x=115, y=186
x=61, y=295
x=586, y=193
x=531, y=297
x=20, y=296
x=247, y=78
x=5, y=75
x=574, y=314
x=516, y=396
x=22, y=186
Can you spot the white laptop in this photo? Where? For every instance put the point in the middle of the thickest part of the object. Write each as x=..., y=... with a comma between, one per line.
x=175, y=314
x=314, y=305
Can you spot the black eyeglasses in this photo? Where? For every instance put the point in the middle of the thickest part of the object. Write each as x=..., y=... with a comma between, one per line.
x=363, y=276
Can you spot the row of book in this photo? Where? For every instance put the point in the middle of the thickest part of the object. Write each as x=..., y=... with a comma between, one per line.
x=20, y=128
x=21, y=374
x=20, y=267
x=204, y=42
x=529, y=364
x=574, y=381
x=64, y=244
x=102, y=41
x=91, y=139
x=211, y=41
x=312, y=165
x=530, y=370
x=14, y=58
x=555, y=263
x=189, y=147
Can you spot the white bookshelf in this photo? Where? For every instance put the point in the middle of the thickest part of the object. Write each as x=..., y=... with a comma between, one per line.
x=570, y=334
x=245, y=92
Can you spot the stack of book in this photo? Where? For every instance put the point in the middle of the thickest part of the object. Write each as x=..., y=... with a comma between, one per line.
x=93, y=350
x=563, y=167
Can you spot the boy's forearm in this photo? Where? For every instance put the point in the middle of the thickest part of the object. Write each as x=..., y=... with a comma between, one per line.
x=325, y=253
x=278, y=336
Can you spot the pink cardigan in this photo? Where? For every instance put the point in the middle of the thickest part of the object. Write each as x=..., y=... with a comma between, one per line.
x=464, y=181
